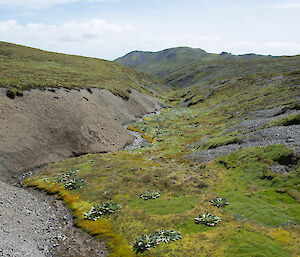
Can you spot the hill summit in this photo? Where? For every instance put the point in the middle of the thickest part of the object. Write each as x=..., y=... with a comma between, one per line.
x=185, y=66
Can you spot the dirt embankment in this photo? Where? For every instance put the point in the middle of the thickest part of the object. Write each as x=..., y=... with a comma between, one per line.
x=45, y=126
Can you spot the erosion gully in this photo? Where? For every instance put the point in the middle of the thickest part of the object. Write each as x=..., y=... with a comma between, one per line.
x=73, y=241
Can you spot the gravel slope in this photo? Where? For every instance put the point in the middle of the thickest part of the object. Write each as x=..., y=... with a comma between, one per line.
x=33, y=224
x=253, y=135
x=46, y=126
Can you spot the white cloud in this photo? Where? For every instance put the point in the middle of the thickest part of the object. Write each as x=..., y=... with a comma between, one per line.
x=99, y=38
x=281, y=45
x=96, y=37
x=103, y=39
x=39, y=4
x=266, y=48
x=291, y=5
x=241, y=44
x=289, y=48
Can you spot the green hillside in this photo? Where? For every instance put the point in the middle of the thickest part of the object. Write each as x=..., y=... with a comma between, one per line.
x=183, y=66
x=25, y=68
x=233, y=135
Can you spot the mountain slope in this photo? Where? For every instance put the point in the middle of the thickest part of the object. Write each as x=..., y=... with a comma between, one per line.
x=26, y=68
x=183, y=66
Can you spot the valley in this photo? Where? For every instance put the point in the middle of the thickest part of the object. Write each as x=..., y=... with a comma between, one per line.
x=229, y=128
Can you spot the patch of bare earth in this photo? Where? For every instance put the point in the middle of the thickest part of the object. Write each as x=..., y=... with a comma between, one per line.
x=43, y=127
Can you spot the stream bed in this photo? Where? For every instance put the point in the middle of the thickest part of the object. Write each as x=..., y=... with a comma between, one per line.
x=36, y=224
x=139, y=140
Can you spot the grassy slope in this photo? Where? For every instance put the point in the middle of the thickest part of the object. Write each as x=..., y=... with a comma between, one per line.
x=182, y=67
x=259, y=218
x=25, y=68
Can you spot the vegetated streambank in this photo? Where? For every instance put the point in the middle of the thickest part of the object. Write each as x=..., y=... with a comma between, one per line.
x=46, y=126
x=263, y=202
x=139, y=140
x=186, y=189
x=35, y=224
x=262, y=214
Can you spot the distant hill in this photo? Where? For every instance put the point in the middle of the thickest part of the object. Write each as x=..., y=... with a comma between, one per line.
x=25, y=68
x=183, y=66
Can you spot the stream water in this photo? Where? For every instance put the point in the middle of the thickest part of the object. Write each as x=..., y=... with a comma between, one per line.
x=139, y=141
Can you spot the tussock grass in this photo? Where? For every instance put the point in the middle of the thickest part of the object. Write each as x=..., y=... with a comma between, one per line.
x=221, y=141
x=289, y=120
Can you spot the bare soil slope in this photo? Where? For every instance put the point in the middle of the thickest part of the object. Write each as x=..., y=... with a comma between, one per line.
x=45, y=126
x=33, y=224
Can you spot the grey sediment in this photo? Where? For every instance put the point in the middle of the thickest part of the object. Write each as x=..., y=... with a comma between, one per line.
x=33, y=223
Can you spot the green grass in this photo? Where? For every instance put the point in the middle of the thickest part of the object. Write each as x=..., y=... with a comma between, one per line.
x=24, y=68
x=165, y=205
x=253, y=244
x=220, y=141
x=189, y=227
x=257, y=209
x=255, y=197
x=289, y=120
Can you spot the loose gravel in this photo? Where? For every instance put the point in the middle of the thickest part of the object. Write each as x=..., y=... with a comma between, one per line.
x=253, y=135
x=34, y=224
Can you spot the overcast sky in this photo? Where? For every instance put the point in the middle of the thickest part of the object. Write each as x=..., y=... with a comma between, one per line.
x=111, y=28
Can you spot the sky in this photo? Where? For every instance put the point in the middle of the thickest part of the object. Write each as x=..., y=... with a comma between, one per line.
x=109, y=29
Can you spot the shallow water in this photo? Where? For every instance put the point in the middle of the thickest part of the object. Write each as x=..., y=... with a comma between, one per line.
x=139, y=141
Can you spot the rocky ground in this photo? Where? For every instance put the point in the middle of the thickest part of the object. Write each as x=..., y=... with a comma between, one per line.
x=34, y=224
x=255, y=135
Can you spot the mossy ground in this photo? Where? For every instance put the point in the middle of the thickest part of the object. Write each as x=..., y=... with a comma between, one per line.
x=263, y=209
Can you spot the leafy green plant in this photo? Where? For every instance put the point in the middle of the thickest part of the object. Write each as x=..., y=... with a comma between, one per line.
x=219, y=202
x=150, y=195
x=167, y=235
x=70, y=181
x=145, y=242
x=74, y=183
x=207, y=219
x=65, y=176
x=103, y=208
